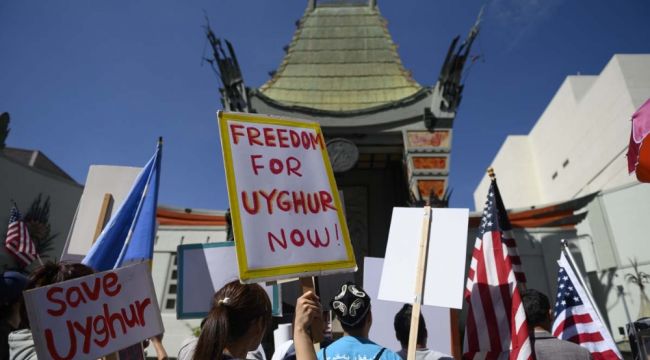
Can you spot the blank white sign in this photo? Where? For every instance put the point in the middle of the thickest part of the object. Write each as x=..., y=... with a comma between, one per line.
x=446, y=257
x=101, y=179
x=382, y=331
x=203, y=270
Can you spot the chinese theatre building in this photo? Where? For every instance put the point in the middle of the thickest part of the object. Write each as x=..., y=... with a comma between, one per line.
x=388, y=136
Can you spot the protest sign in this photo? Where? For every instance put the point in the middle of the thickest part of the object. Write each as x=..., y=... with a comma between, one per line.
x=438, y=320
x=286, y=212
x=94, y=315
x=102, y=179
x=445, y=258
x=203, y=269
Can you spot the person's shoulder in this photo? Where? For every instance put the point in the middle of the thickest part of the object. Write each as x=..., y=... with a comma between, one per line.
x=577, y=349
x=187, y=348
x=431, y=355
x=564, y=349
x=390, y=355
x=319, y=354
x=282, y=350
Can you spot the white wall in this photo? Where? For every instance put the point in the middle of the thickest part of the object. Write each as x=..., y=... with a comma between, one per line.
x=23, y=184
x=626, y=213
x=167, y=239
x=514, y=156
x=587, y=123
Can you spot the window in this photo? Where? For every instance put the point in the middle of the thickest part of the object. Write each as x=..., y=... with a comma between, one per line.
x=171, y=285
x=170, y=304
x=565, y=163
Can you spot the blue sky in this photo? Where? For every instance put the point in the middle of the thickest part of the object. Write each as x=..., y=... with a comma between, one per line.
x=96, y=82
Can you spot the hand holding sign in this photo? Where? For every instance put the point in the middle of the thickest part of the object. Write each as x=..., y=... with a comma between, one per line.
x=287, y=217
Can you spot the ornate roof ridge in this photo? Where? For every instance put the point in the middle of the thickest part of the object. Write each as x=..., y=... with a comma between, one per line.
x=336, y=50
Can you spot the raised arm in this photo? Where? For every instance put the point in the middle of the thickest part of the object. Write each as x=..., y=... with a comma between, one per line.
x=307, y=310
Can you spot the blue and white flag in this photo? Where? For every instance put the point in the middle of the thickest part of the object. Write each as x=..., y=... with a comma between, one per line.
x=129, y=235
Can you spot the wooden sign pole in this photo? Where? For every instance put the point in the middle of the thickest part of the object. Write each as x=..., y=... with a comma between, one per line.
x=308, y=284
x=104, y=214
x=454, y=319
x=419, y=283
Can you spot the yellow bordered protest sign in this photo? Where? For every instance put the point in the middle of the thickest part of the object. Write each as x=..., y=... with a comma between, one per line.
x=286, y=213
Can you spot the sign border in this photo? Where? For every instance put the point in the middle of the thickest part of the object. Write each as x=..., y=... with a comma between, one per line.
x=36, y=325
x=276, y=309
x=289, y=271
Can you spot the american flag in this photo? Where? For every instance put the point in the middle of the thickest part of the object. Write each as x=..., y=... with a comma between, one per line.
x=576, y=319
x=18, y=241
x=496, y=322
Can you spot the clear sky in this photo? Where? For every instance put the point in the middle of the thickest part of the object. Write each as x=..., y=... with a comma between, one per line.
x=96, y=82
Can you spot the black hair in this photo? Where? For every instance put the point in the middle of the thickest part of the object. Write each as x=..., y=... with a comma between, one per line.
x=536, y=306
x=403, y=326
x=360, y=324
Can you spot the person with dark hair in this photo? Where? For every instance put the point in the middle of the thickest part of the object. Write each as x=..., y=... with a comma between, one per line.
x=403, y=328
x=21, y=343
x=12, y=284
x=352, y=308
x=545, y=345
x=236, y=323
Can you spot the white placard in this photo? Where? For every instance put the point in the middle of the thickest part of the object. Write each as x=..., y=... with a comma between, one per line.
x=203, y=269
x=446, y=257
x=382, y=331
x=94, y=315
x=287, y=217
x=101, y=179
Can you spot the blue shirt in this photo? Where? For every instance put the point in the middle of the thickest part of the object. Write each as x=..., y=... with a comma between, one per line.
x=355, y=348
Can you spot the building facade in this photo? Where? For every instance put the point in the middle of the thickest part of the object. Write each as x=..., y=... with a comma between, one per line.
x=576, y=148
x=179, y=227
x=29, y=178
x=388, y=136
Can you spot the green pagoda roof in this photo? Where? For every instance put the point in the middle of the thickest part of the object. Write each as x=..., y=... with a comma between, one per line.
x=341, y=58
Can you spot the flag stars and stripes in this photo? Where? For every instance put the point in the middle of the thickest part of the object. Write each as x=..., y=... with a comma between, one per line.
x=575, y=318
x=18, y=241
x=569, y=295
x=493, y=331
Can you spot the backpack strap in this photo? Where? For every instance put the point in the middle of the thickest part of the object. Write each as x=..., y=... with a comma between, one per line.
x=379, y=353
x=325, y=353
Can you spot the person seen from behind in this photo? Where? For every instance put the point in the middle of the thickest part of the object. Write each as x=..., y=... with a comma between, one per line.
x=545, y=345
x=236, y=323
x=403, y=328
x=352, y=308
x=12, y=284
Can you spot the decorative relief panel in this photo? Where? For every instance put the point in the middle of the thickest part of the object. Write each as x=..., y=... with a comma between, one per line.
x=437, y=185
x=437, y=140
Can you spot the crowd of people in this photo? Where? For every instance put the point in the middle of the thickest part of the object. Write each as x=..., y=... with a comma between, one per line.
x=241, y=315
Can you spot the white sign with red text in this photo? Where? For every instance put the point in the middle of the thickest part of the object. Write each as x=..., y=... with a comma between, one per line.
x=287, y=216
x=94, y=315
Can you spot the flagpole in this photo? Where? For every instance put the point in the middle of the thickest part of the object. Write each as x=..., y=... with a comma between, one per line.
x=137, y=212
x=38, y=257
x=521, y=286
x=572, y=263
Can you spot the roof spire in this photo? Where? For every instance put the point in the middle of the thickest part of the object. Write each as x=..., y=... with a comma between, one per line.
x=372, y=4
x=311, y=5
